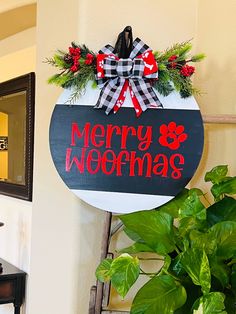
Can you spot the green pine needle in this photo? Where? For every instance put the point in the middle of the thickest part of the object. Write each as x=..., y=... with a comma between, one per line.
x=59, y=79
x=162, y=67
x=199, y=57
x=185, y=49
x=163, y=85
x=178, y=49
x=94, y=85
x=79, y=81
x=164, y=88
x=182, y=84
x=59, y=61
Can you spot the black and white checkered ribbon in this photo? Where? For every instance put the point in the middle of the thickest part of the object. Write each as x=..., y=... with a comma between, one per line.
x=117, y=71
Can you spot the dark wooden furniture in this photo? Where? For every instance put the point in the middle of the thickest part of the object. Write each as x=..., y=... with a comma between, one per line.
x=12, y=285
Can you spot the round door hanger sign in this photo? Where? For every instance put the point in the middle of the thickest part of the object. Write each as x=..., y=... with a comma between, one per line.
x=121, y=163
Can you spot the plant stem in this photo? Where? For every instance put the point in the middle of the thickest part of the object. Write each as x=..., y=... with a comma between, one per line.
x=232, y=262
x=177, y=249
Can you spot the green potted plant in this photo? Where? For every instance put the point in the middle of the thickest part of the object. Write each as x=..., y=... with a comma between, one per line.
x=197, y=242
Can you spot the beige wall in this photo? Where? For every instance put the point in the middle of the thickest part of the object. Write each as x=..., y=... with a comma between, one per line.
x=65, y=241
x=216, y=77
x=217, y=74
x=158, y=23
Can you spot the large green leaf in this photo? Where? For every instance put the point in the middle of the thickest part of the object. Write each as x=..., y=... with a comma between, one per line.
x=219, y=270
x=103, y=270
x=173, y=206
x=182, y=242
x=160, y=295
x=196, y=264
x=224, y=187
x=224, y=210
x=202, y=241
x=132, y=235
x=124, y=272
x=154, y=228
x=190, y=223
x=136, y=248
x=192, y=206
x=212, y=303
x=216, y=174
x=225, y=233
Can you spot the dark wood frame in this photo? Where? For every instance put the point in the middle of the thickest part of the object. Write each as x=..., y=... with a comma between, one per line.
x=22, y=83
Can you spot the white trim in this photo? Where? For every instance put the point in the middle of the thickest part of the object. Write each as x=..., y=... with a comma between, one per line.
x=90, y=96
x=121, y=202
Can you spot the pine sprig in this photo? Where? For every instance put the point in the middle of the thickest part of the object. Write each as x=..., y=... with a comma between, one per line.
x=59, y=79
x=197, y=58
x=79, y=82
x=178, y=49
x=164, y=88
x=75, y=72
x=182, y=84
x=84, y=49
x=173, y=68
x=163, y=84
x=58, y=62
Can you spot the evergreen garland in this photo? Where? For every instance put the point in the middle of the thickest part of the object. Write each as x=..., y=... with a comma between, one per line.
x=163, y=85
x=78, y=67
x=173, y=68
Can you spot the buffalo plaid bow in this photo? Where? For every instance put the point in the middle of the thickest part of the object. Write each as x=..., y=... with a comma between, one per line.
x=115, y=76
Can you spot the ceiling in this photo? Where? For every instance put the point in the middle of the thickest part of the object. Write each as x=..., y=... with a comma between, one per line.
x=17, y=20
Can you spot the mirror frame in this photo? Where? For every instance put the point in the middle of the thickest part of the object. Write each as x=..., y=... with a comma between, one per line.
x=22, y=83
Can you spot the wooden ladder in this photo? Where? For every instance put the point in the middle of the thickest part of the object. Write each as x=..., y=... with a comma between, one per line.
x=100, y=293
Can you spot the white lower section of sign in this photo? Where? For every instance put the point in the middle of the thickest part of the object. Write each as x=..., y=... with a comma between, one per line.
x=121, y=202
x=90, y=97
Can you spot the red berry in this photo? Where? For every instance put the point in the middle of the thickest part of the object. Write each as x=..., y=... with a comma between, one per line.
x=74, y=68
x=172, y=58
x=71, y=51
x=77, y=51
x=74, y=51
x=89, y=59
x=187, y=70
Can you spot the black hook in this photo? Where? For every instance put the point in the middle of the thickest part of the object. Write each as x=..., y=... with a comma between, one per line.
x=124, y=43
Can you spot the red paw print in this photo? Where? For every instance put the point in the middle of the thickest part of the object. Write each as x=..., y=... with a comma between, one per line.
x=172, y=135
